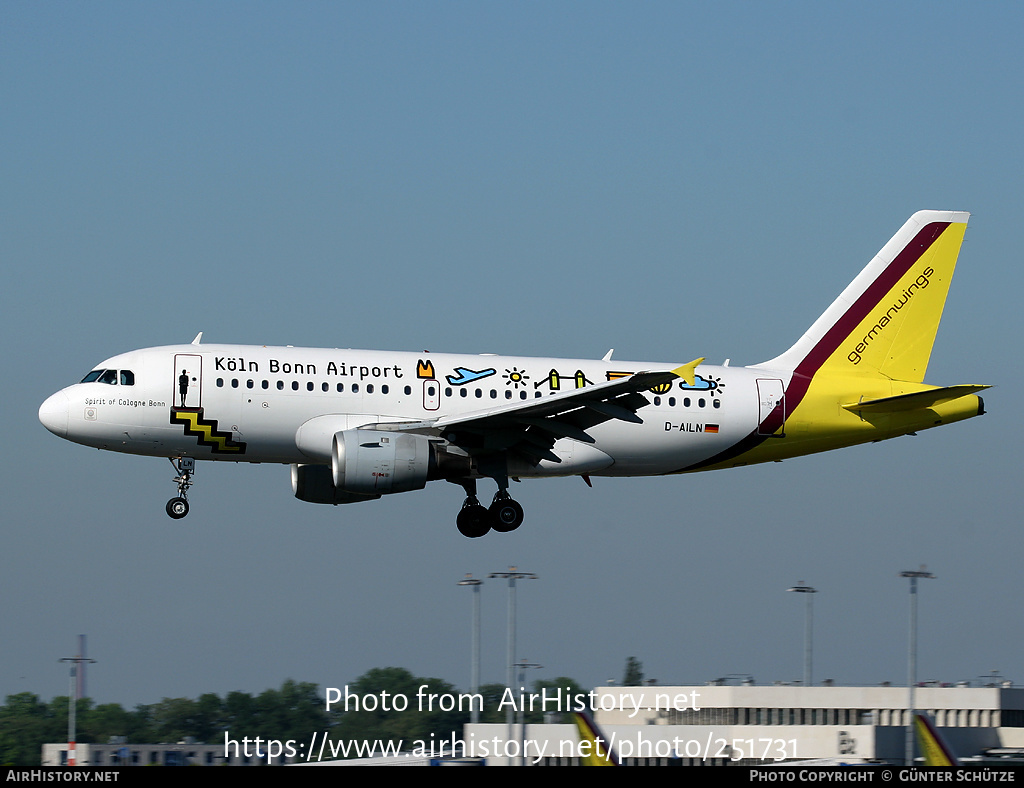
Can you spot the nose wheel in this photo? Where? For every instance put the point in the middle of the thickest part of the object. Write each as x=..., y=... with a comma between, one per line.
x=177, y=508
x=185, y=467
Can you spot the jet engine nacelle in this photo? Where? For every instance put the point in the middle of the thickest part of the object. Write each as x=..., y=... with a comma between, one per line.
x=315, y=484
x=371, y=462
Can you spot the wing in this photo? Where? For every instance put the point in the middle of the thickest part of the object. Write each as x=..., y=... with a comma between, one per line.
x=531, y=427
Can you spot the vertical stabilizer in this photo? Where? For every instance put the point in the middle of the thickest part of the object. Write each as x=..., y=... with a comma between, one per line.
x=934, y=749
x=884, y=322
x=595, y=748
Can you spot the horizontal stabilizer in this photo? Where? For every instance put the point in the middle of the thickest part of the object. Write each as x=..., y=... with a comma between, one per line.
x=915, y=401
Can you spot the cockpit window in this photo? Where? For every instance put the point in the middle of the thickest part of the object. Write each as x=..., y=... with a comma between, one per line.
x=127, y=377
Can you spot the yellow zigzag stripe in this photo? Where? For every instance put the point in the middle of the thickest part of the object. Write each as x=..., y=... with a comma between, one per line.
x=206, y=431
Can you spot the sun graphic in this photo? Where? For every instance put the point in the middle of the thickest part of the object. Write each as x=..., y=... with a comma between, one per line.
x=516, y=377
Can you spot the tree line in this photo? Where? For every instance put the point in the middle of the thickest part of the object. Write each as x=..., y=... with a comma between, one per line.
x=294, y=711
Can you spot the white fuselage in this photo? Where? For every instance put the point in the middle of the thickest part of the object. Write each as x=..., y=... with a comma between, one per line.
x=274, y=402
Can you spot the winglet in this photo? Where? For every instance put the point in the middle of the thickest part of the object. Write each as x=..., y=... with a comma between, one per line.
x=688, y=371
x=198, y=339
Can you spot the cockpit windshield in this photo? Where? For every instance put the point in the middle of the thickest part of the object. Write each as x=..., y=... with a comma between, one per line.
x=110, y=376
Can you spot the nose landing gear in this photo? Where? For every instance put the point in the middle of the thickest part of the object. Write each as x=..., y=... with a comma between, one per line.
x=185, y=466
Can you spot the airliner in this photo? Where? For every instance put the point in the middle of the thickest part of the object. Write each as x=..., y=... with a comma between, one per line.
x=358, y=424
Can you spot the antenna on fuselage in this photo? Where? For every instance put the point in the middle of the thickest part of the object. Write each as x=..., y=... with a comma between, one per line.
x=198, y=338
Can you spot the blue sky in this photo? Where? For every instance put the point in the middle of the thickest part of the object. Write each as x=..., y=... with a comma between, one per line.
x=669, y=179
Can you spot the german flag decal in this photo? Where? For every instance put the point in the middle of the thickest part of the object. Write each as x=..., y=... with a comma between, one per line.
x=206, y=431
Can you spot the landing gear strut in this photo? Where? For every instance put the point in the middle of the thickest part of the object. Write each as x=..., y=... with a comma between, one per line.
x=185, y=466
x=475, y=520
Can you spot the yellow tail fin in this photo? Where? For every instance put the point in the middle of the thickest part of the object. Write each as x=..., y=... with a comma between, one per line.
x=884, y=322
x=595, y=749
x=933, y=747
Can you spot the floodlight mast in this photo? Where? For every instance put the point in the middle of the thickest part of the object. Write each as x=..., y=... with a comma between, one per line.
x=72, y=702
x=912, y=658
x=511, y=575
x=474, y=671
x=801, y=588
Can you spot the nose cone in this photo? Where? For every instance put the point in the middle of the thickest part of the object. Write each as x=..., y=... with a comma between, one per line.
x=53, y=413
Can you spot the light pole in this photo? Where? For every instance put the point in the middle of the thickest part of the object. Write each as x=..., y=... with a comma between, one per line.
x=511, y=575
x=801, y=588
x=912, y=659
x=523, y=665
x=474, y=670
x=72, y=702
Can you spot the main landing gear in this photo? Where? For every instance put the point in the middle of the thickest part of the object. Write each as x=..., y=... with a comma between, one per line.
x=185, y=466
x=475, y=519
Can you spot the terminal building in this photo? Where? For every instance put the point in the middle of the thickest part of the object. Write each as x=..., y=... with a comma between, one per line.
x=705, y=725
x=753, y=725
